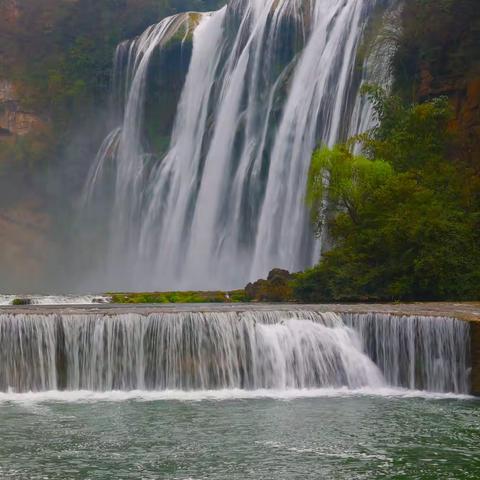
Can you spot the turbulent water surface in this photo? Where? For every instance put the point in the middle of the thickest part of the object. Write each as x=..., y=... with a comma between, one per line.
x=334, y=436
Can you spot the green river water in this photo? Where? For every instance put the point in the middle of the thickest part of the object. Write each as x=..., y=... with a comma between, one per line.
x=232, y=435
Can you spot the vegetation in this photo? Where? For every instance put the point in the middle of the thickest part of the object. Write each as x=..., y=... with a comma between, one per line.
x=406, y=214
x=278, y=287
x=61, y=52
x=21, y=301
x=180, y=297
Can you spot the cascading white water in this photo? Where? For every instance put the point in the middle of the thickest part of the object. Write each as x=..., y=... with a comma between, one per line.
x=267, y=81
x=53, y=299
x=250, y=350
x=415, y=351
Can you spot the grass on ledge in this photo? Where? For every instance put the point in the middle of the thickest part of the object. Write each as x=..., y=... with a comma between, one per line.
x=234, y=296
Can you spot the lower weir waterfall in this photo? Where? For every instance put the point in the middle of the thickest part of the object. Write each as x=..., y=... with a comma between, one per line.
x=249, y=350
x=210, y=193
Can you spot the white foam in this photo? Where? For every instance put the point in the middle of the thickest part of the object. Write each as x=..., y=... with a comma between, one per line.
x=55, y=299
x=86, y=396
x=324, y=452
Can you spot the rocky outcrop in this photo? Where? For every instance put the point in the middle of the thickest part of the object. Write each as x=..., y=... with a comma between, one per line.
x=276, y=288
x=14, y=120
x=24, y=222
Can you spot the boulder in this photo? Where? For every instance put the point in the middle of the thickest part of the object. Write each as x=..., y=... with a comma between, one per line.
x=277, y=288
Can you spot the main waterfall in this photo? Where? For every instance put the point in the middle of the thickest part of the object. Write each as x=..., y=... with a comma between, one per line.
x=251, y=350
x=265, y=82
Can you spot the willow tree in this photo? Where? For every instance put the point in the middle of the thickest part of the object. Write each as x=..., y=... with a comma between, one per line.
x=344, y=180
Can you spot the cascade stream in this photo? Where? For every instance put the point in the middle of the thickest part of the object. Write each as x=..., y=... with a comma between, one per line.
x=249, y=350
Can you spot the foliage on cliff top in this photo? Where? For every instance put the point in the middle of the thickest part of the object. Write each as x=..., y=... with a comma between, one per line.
x=60, y=52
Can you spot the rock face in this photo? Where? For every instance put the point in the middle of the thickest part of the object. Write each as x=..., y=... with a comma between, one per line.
x=468, y=108
x=439, y=55
x=24, y=222
x=55, y=66
x=13, y=119
x=464, y=95
x=25, y=245
x=11, y=10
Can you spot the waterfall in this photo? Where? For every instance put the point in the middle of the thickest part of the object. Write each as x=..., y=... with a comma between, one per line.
x=430, y=353
x=267, y=81
x=250, y=350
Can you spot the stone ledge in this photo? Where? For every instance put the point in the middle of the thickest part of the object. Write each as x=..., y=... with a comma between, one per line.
x=469, y=312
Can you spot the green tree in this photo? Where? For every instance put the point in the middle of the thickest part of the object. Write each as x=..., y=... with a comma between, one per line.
x=347, y=180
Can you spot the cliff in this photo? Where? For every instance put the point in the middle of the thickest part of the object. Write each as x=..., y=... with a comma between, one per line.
x=439, y=54
x=14, y=119
x=55, y=75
